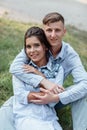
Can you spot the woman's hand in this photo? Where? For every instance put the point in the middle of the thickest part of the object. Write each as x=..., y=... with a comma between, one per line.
x=31, y=69
x=46, y=98
x=56, y=89
x=52, y=87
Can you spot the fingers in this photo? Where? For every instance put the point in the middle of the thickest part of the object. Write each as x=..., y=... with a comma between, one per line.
x=25, y=66
x=61, y=87
x=37, y=96
x=57, y=89
x=43, y=90
x=36, y=101
x=28, y=68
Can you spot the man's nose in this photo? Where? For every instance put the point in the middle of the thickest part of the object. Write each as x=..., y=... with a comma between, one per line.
x=53, y=34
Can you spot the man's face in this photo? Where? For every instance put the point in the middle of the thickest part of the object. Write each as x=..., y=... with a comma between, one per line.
x=54, y=33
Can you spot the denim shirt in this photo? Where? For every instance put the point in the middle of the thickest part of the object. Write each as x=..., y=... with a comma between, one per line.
x=21, y=107
x=71, y=63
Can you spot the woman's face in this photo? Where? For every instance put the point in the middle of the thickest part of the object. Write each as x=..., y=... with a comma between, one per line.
x=35, y=50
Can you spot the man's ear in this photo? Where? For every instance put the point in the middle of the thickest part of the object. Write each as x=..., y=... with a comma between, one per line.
x=64, y=30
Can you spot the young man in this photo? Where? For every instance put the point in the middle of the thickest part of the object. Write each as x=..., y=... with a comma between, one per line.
x=63, y=54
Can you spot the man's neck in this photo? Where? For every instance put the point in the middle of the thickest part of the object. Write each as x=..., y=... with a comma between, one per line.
x=55, y=51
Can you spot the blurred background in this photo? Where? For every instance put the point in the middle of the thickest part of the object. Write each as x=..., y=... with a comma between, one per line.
x=74, y=11
x=16, y=16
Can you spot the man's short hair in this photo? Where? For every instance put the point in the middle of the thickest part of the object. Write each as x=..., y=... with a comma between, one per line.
x=53, y=17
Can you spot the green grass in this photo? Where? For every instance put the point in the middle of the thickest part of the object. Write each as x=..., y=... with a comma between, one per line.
x=11, y=42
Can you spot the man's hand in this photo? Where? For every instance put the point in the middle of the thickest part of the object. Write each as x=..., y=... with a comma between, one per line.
x=54, y=88
x=32, y=97
x=48, y=97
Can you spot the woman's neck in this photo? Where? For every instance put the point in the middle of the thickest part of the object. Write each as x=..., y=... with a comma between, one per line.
x=43, y=62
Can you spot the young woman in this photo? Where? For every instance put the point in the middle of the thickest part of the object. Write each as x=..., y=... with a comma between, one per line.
x=27, y=115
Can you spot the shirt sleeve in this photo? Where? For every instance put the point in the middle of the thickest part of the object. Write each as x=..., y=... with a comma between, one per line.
x=60, y=76
x=16, y=69
x=79, y=89
x=58, y=80
x=19, y=90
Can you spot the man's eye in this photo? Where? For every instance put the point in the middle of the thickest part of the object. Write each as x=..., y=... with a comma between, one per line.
x=57, y=30
x=49, y=30
x=28, y=46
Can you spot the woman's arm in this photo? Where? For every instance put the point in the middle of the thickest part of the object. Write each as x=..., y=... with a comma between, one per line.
x=22, y=95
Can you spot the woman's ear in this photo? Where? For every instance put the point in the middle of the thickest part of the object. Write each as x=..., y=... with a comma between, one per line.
x=46, y=49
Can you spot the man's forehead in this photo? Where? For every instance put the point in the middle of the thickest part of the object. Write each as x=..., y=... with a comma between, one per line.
x=54, y=25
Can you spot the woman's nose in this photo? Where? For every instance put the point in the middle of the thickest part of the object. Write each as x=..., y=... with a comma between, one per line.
x=32, y=49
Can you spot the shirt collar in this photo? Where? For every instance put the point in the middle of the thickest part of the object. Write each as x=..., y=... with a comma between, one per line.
x=60, y=55
x=47, y=66
x=32, y=64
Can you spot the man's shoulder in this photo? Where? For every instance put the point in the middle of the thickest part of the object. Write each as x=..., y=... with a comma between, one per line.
x=68, y=48
x=66, y=45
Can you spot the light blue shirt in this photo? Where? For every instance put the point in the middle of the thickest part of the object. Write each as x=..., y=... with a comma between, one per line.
x=23, y=108
x=71, y=63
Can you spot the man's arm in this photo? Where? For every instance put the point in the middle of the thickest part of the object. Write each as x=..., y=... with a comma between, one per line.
x=32, y=79
x=74, y=92
x=19, y=90
x=22, y=95
x=16, y=69
x=79, y=89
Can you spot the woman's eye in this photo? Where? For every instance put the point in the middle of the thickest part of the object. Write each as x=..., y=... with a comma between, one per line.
x=36, y=45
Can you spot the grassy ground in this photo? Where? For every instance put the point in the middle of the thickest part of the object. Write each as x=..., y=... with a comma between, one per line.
x=11, y=42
